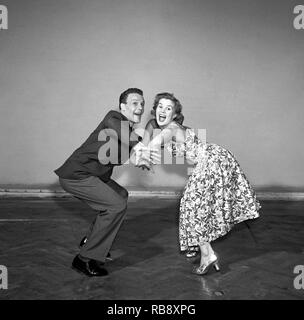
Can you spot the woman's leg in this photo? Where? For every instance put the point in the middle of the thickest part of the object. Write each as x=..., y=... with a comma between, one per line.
x=207, y=253
x=208, y=259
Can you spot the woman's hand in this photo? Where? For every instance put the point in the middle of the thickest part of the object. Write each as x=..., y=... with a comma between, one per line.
x=145, y=164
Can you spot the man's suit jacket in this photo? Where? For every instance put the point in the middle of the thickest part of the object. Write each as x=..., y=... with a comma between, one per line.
x=85, y=162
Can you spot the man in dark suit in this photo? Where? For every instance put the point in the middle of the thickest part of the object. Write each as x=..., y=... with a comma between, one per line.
x=86, y=174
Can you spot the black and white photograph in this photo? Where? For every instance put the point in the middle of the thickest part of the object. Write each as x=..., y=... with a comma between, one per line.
x=151, y=153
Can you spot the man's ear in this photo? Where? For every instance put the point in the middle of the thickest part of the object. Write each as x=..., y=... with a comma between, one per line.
x=123, y=106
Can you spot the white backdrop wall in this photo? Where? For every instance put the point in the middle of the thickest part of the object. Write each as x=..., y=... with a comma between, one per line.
x=237, y=66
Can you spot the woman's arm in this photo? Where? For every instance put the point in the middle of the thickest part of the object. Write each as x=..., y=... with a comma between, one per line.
x=144, y=162
x=173, y=132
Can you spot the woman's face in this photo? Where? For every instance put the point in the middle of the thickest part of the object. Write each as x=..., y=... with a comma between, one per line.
x=165, y=112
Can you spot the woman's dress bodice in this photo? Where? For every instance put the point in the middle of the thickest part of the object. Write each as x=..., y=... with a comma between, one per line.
x=192, y=148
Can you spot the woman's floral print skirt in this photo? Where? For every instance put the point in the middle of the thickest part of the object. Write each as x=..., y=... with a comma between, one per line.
x=216, y=197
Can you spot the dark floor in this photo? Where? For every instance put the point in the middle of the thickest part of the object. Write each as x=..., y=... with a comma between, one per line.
x=39, y=238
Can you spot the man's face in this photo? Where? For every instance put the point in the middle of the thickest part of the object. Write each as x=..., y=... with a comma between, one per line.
x=133, y=108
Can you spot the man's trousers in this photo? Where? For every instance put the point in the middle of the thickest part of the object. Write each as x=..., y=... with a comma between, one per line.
x=110, y=200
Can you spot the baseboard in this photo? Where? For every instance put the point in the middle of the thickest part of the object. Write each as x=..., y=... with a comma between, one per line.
x=45, y=193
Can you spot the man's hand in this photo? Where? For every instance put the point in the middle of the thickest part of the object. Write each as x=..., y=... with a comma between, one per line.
x=151, y=155
x=142, y=152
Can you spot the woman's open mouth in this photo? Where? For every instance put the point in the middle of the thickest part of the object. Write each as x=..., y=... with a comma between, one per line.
x=161, y=118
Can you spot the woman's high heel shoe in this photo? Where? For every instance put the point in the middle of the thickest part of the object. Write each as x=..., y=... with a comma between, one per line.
x=203, y=269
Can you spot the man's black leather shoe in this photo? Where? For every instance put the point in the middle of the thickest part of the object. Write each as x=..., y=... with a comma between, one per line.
x=90, y=268
x=84, y=240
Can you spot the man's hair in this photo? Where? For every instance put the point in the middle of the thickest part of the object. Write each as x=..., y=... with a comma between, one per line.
x=177, y=105
x=124, y=96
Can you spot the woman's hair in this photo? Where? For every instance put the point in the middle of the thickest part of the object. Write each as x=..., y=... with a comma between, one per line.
x=177, y=105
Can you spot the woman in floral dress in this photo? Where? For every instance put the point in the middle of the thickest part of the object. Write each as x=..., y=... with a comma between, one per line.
x=217, y=195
